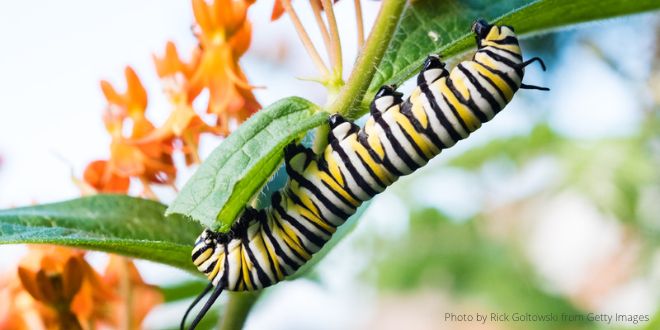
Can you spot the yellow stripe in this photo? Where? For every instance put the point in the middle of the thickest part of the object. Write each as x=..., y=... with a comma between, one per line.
x=462, y=110
x=215, y=269
x=373, y=140
x=459, y=80
x=203, y=257
x=511, y=48
x=315, y=219
x=499, y=82
x=380, y=171
x=304, y=198
x=333, y=167
x=328, y=179
x=292, y=245
x=408, y=128
x=273, y=257
x=245, y=270
x=418, y=108
x=325, y=177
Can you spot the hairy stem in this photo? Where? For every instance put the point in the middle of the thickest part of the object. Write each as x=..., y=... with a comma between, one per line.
x=237, y=310
x=369, y=59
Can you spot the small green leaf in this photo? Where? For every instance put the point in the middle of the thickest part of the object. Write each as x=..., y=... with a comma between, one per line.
x=112, y=223
x=236, y=170
x=443, y=27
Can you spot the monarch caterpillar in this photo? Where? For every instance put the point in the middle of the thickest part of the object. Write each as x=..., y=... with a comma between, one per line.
x=264, y=246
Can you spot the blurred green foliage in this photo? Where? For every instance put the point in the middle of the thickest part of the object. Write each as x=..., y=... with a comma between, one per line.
x=442, y=255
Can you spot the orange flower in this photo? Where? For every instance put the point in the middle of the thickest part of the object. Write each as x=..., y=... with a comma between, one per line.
x=150, y=161
x=136, y=297
x=55, y=288
x=224, y=36
x=99, y=178
x=66, y=293
x=183, y=123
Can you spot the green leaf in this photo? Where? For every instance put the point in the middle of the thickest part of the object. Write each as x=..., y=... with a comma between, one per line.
x=443, y=27
x=112, y=223
x=236, y=170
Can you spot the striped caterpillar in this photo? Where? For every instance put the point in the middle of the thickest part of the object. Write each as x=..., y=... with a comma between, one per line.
x=264, y=246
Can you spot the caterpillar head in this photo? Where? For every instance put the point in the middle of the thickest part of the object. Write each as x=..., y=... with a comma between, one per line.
x=433, y=69
x=486, y=33
x=204, y=247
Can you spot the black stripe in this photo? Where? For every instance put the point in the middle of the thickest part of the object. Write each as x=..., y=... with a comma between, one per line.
x=510, y=40
x=503, y=75
x=199, y=252
x=271, y=262
x=467, y=102
x=278, y=249
x=412, y=142
x=500, y=48
x=247, y=268
x=439, y=114
x=225, y=274
x=499, y=91
x=210, y=267
x=261, y=274
x=277, y=200
x=322, y=165
x=406, y=110
x=359, y=180
x=371, y=171
x=311, y=236
x=298, y=201
x=455, y=112
x=338, y=195
x=398, y=149
x=289, y=246
x=499, y=58
x=298, y=177
x=363, y=138
x=482, y=91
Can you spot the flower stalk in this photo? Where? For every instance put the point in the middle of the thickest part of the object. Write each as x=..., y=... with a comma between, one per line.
x=305, y=39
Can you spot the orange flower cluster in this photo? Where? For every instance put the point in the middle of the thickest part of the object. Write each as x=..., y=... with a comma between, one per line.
x=55, y=288
x=143, y=151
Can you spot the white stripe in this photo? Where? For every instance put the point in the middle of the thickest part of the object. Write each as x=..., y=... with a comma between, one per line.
x=444, y=107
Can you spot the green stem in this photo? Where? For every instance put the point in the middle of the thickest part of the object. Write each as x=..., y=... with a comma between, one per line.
x=238, y=308
x=369, y=59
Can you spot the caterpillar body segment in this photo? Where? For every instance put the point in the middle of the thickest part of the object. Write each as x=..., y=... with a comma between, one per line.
x=265, y=246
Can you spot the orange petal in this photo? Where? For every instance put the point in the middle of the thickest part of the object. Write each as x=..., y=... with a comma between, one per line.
x=134, y=89
x=110, y=93
x=29, y=281
x=72, y=278
x=278, y=10
x=201, y=12
x=99, y=176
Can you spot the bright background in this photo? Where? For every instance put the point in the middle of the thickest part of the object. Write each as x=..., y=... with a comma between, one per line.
x=560, y=214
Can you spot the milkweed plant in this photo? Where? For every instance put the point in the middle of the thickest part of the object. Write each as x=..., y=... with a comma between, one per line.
x=210, y=94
